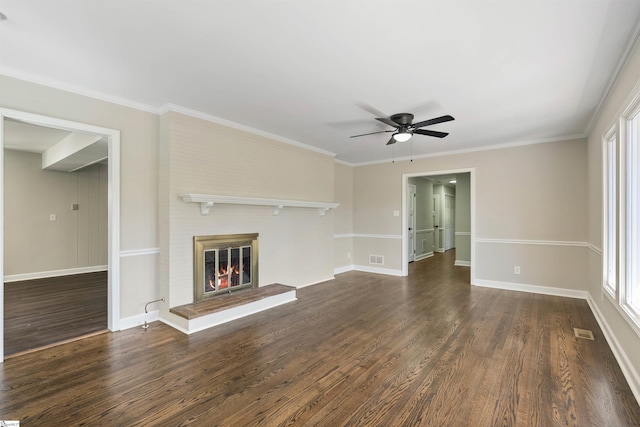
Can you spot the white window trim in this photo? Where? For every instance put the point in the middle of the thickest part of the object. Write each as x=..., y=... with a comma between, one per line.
x=631, y=315
x=611, y=290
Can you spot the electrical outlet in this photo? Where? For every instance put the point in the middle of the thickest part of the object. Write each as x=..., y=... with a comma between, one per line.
x=52, y=217
x=516, y=269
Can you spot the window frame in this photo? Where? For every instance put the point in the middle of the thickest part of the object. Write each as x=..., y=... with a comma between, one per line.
x=625, y=210
x=627, y=205
x=630, y=212
x=610, y=197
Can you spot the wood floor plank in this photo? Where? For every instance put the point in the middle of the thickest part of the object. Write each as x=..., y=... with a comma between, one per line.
x=42, y=312
x=361, y=350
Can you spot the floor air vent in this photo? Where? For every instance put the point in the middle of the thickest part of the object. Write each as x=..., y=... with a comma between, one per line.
x=583, y=333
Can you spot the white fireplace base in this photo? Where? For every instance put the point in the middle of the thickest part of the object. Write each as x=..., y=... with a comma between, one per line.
x=210, y=320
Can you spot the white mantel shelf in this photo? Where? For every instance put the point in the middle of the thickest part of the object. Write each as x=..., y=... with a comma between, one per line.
x=207, y=201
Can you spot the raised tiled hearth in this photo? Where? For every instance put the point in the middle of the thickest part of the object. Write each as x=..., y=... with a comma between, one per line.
x=224, y=308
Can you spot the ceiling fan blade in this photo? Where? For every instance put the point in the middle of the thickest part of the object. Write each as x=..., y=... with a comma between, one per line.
x=425, y=107
x=369, y=109
x=430, y=133
x=371, y=133
x=387, y=121
x=435, y=121
x=391, y=141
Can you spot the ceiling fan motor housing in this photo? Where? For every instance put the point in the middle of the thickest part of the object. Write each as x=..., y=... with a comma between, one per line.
x=402, y=118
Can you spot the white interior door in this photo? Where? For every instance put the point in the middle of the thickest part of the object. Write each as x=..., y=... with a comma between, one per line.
x=411, y=221
x=449, y=222
x=436, y=223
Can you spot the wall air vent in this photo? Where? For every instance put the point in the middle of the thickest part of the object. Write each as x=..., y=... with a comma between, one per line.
x=376, y=259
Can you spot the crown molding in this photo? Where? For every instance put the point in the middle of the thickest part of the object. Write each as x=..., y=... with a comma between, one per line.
x=54, y=84
x=342, y=162
x=624, y=59
x=210, y=118
x=570, y=137
x=31, y=78
x=77, y=90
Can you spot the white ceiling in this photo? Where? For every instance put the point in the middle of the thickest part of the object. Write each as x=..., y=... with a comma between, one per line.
x=28, y=137
x=312, y=72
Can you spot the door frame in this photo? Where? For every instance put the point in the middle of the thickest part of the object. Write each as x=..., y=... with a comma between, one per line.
x=113, y=203
x=472, y=203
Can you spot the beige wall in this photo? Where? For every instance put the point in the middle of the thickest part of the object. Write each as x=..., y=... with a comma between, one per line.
x=138, y=173
x=33, y=243
x=534, y=192
x=623, y=335
x=198, y=156
x=463, y=218
x=343, y=216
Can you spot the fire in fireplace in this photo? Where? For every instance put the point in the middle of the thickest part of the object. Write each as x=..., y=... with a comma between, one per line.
x=224, y=263
x=227, y=267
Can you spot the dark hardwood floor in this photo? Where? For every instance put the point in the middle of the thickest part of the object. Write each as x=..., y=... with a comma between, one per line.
x=42, y=312
x=364, y=349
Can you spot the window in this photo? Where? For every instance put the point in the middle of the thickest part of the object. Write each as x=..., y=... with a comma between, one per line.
x=610, y=252
x=621, y=213
x=631, y=294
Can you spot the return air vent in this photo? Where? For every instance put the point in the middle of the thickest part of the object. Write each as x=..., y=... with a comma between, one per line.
x=583, y=333
x=376, y=259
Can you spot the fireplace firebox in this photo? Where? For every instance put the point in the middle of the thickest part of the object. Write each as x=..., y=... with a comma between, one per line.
x=224, y=263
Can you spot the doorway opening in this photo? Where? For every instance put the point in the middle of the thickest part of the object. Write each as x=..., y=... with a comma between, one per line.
x=87, y=145
x=443, y=211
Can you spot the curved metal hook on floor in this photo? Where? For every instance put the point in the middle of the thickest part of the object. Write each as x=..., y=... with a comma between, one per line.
x=146, y=325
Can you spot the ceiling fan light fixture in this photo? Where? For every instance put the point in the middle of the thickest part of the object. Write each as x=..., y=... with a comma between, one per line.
x=402, y=136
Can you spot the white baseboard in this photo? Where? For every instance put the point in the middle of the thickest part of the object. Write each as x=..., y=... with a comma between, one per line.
x=535, y=289
x=629, y=372
x=367, y=269
x=423, y=256
x=174, y=326
x=54, y=273
x=626, y=366
x=138, y=320
x=461, y=263
x=316, y=283
x=343, y=269
x=377, y=270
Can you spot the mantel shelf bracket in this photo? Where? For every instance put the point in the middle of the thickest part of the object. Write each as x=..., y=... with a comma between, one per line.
x=205, y=207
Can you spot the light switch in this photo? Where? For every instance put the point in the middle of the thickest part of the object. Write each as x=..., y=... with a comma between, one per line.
x=396, y=213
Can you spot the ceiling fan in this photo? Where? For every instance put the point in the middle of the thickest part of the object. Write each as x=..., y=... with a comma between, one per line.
x=404, y=128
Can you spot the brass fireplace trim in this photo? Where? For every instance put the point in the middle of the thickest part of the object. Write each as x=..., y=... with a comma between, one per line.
x=203, y=243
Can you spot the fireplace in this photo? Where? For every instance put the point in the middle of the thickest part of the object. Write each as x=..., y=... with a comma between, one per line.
x=224, y=263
